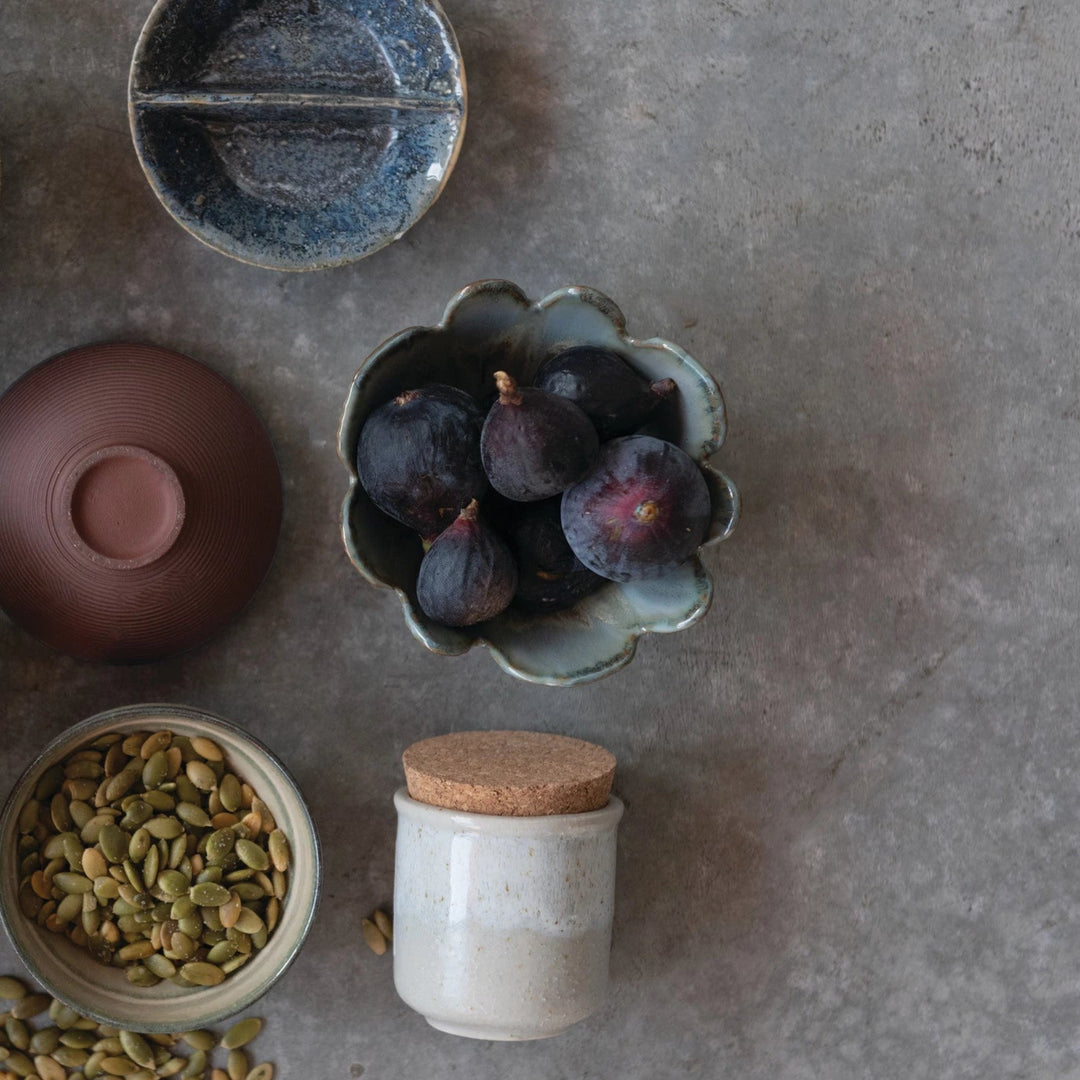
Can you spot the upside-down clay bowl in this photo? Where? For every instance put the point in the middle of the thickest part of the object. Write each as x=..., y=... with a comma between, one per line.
x=140, y=502
x=493, y=325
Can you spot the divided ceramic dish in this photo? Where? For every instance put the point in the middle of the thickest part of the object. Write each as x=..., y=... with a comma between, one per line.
x=102, y=992
x=293, y=134
x=492, y=325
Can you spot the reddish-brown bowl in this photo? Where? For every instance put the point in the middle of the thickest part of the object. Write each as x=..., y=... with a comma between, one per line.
x=140, y=502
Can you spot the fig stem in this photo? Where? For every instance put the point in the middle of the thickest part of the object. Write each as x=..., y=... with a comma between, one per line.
x=471, y=512
x=406, y=396
x=646, y=512
x=508, y=391
x=662, y=387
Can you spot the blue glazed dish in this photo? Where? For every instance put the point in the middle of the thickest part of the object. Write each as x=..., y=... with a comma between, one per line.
x=492, y=325
x=297, y=134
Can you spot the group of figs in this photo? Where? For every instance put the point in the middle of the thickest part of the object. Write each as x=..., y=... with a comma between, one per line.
x=541, y=500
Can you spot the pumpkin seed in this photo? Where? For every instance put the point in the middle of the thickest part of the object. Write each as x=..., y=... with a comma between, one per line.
x=201, y=775
x=70, y=1056
x=113, y=842
x=164, y=828
x=94, y=864
x=229, y=793
x=172, y=1066
x=19, y=1064
x=196, y=1065
x=48, y=1069
x=200, y=1040
x=76, y=1038
x=72, y=883
x=209, y=894
x=137, y=1048
x=382, y=921
x=222, y=951
x=252, y=855
x=241, y=1033
x=30, y=1005
x=159, y=741
x=11, y=989
x=18, y=1034
x=119, y=1066
x=265, y=1071
x=373, y=937
x=279, y=850
x=45, y=1041
x=249, y=922
x=206, y=748
x=238, y=1065
x=202, y=973
x=139, y=975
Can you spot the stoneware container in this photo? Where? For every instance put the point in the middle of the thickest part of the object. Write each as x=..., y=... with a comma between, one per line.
x=103, y=993
x=502, y=925
x=293, y=134
x=492, y=325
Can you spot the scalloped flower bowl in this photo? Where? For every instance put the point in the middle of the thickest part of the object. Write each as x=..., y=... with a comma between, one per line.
x=491, y=326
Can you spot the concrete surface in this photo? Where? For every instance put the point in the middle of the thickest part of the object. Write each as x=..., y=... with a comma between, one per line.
x=852, y=791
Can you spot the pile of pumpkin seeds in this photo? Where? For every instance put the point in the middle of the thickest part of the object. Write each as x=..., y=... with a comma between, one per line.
x=73, y=1047
x=148, y=852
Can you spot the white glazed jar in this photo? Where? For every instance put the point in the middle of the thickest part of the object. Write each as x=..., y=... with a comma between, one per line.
x=502, y=925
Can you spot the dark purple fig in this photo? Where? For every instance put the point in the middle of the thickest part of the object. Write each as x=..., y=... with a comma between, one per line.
x=468, y=574
x=640, y=512
x=550, y=575
x=605, y=387
x=419, y=457
x=535, y=444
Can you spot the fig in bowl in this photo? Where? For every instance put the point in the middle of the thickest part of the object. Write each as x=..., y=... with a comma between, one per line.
x=595, y=481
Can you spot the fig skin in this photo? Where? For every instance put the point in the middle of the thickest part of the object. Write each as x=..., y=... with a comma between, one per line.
x=642, y=510
x=550, y=575
x=418, y=457
x=535, y=444
x=605, y=387
x=468, y=574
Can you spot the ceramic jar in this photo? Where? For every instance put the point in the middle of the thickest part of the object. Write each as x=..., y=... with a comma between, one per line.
x=502, y=925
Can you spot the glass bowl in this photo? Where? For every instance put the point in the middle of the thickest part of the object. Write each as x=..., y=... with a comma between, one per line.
x=96, y=990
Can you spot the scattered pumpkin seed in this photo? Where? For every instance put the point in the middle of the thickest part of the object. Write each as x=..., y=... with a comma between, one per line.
x=238, y=1065
x=11, y=988
x=373, y=937
x=382, y=921
x=265, y=1071
x=137, y=1048
x=241, y=1033
x=200, y=1040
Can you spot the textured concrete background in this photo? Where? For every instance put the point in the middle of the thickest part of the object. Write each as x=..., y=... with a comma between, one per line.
x=850, y=847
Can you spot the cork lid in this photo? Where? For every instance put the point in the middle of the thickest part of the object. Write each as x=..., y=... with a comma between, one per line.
x=509, y=773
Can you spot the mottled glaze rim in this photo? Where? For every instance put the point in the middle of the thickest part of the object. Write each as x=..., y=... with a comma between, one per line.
x=709, y=420
x=13, y=920
x=382, y=238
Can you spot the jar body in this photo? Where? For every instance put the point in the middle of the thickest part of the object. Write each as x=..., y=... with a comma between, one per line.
x=502, y=925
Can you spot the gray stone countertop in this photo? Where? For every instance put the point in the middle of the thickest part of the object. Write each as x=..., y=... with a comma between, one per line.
x=853, y=790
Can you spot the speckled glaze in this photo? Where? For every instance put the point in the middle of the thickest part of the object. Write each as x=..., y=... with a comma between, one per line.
x=103, y=993
x=492, y=325
x=502, y=925
x=297, y=134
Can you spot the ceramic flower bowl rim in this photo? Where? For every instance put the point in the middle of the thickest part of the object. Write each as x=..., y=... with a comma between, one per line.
x=13, y=920
x=700, y=451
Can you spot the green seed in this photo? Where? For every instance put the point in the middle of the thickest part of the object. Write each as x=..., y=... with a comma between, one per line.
x=45, y=1041
x=252, y=855
x=72, y=883
x=30, y=1005
x=193, y=815
x=238, y=1065
x=206, y=748
x=17, y=1033
x=196, y=1064
x=229, y=793
x=137, y=1048
x=201, y=775
x=47, y=1069
x=77, y=1039
x=200, y=1040
x=172, y=1066
x=201, y=973
x=249, y=922
x=237, y=961
x=150, y=867
x=10, y=988
x=110, y=1045
x=73, y=850
x=160, y=800
x=241, y=1033
x=278, y=844
x=138, y=975
x=265, y=1071
x=164, y=828
x=63, y=1016
x=161, y=966
x=158, y=742
x=119, y=1066
x=92, y=1068
x=209, y=894
x=28, y=816
x=137, y=950
x=19, y=1064
x=70, y=1057
x=139, y=844
x=155, y=770
x=219, y=844
x=114, y=843
x=58, y=810
x=50, y=782
x=172, y=882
